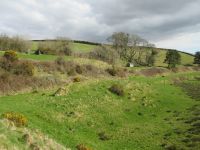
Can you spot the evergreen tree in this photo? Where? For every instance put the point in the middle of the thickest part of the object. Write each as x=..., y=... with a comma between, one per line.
x=172, y=58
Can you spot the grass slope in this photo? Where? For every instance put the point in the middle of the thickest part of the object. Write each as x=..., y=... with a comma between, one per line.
x=139, y=120
x=77, y=47
x=185, y=58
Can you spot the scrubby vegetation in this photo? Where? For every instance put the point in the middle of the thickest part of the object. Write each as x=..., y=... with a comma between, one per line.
x=60, y=46
x=15, y=43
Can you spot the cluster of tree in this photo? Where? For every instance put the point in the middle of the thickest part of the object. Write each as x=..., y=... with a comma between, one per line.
x=60, y=46
x=105, y=53
x=173, y=58
x=131, y=48
x=15, y=43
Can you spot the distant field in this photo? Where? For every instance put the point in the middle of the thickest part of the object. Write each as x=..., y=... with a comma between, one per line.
x=76, y=47
x=34, y=57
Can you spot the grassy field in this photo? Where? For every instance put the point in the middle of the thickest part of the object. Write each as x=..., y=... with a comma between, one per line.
x=145, y=118
x=76, y=47
x=185, y=58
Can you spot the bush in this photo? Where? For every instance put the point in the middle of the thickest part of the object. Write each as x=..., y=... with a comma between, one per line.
x=10, y=56
x=112, y=71
x=5, y=77
x=17, y=118
x=79, y=69
x=117, y=72
x=24, y=68
x=60, y=61
x=82, y=147
x=77, y=79
x=117, y=89
x=103, y=136
x=71, y=72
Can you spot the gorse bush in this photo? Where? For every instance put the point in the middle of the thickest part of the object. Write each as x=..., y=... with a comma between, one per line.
x=17, y=118
x=117, y=89
x=9, y=60
x=77, y=79
x=11, y=64
x=10, y=56
x=82, y=147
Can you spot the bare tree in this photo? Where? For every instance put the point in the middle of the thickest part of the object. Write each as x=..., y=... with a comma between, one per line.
x=15, y=43
x=129, y=46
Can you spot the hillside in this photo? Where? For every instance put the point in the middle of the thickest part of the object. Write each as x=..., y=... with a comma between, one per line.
x=90, y=114
x=77, y=103
x=186, y=59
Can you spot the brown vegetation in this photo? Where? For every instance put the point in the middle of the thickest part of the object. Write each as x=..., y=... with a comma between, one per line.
x=117, y=89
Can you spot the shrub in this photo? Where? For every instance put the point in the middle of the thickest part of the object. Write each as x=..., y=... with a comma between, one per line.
x=117, y=72
x=5, y=77
x=79, y=69
x=103, y=136
x=24, y=68
x=10, y=56
x=71, y=72
x=112, y=71
x=17, y=118
x=117, y=89
x=77, y=79
x=60, y=61
x=82, y=147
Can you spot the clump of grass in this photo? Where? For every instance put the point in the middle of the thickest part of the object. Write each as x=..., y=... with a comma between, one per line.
x=18, y=119
x=117, y=89
x=103, y=136
x=117, y=72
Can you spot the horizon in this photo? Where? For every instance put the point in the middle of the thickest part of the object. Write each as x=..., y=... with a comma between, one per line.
x=169, y=25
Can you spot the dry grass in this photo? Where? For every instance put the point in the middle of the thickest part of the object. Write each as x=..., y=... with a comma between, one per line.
x=12, y=137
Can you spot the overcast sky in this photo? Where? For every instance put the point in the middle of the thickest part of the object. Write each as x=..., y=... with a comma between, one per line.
x=167, y=23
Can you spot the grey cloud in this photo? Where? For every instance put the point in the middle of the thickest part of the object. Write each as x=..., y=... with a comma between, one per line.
x=95, y=20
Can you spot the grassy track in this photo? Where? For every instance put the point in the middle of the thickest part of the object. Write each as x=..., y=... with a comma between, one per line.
x=139, y=120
